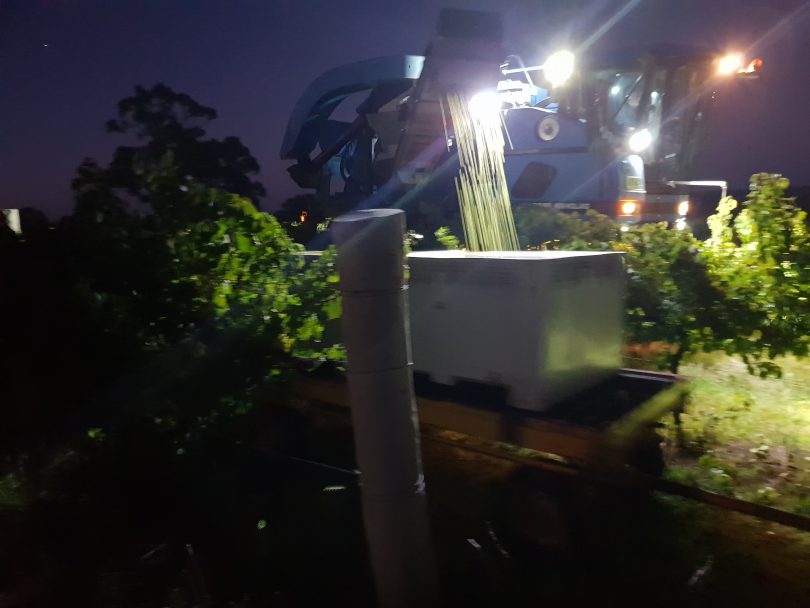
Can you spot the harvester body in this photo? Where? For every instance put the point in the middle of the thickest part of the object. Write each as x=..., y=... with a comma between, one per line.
x=621, y=137
x=400, y=148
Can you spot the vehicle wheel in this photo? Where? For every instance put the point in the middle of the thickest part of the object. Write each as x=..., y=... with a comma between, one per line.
x=531, y=513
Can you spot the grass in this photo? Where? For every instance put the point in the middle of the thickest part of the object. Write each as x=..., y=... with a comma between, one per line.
x=745, y=436
x=11, y=494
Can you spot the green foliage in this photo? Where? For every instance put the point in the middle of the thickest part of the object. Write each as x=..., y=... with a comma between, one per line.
x=801, y=506
x=146, y=328
x=446, y=239
x=212, y=297
x=96, y=434
x=681, y=475
x=303, y=216
x=670, y=298
x=746, y=290
x=765, y=495
x=211, y=258
x=760, y=258
x=542, y=228
x=709, y=475
x=166, y=304
x=306, y=216
x=11, y=492
x=718, y=481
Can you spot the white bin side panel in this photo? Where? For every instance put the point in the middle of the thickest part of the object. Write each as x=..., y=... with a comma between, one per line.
x=584, y=333
x=458, y=333
x=542, y=324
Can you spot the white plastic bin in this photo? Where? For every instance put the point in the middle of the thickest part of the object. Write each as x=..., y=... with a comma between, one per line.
x=542, y=324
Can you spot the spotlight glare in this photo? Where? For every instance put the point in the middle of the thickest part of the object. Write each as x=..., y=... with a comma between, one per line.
x=559, y=67
x=640, y=140
x=485, y=104
x=730, y=64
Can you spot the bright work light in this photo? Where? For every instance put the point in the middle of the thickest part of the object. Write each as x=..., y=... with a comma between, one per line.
x=640, y=140
x=485, y=104
x=730, y=64
x=559, y=67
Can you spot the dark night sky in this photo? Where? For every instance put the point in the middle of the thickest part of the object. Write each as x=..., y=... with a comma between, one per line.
x=65, y=63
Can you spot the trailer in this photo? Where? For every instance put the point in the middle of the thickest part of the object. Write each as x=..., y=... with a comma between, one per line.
x=608, y=439
x=608, y=427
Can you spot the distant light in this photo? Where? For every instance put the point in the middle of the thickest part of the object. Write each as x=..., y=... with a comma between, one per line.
x=654, y=96
x=680, y=223
x=614, y=90
x=683, y=208
x=559, y=67
x=628, y=207
x=730, y=64
x=485, y=104
x=303, y=216
x=640, y=140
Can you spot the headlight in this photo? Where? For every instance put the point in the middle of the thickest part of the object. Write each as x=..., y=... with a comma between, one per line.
x=640, y=140
x=730, y=64
x=683, y=208
x=559, y=67
x=628, y=207
x=485, y=104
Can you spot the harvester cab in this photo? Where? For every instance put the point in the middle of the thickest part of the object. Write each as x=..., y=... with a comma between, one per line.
x=656, y=102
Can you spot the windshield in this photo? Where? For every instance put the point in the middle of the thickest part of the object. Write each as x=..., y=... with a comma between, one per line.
x=624, y=91
x=665, y=99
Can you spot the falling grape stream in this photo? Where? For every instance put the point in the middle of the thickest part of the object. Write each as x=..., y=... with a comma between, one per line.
x=486, y=211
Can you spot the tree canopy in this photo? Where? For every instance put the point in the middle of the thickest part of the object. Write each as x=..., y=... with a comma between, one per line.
x=162, y=120
x=166, y=294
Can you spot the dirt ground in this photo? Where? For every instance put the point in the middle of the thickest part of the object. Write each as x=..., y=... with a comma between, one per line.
x=581, y=546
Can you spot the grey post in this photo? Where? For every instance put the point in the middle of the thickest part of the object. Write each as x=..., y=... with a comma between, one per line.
x=370, y=263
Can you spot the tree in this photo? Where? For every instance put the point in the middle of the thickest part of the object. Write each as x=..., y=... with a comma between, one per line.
x=186, y=278
x=194, y=254
x=161, y=121
x=208, y=298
